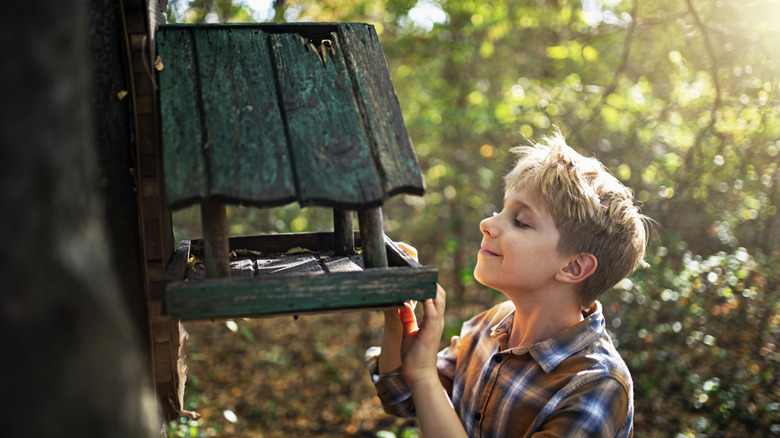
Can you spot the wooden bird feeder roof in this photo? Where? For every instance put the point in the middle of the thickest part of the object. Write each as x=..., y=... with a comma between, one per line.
x=268, y=114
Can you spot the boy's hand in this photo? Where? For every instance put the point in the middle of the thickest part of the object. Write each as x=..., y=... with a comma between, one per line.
x=391, y=315
x=392, y=333
x=421, y=344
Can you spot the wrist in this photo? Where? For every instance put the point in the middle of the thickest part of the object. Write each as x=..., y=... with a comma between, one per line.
x=392, y=317
x=423, y=382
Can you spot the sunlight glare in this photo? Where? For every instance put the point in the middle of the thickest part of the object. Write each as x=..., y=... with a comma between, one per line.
x=426, y=13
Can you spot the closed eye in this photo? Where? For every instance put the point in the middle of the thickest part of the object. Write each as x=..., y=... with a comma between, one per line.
x=520, y=224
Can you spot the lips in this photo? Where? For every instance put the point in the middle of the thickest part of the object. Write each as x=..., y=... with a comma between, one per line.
x=485, y=251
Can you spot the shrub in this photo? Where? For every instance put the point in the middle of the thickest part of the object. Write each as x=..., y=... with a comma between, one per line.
x=700, y=335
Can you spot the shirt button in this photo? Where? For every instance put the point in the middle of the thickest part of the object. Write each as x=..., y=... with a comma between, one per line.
x=497, y=359
x=477, y=416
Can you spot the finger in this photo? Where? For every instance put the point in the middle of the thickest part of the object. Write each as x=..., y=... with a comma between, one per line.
x=408, y=319
x=409, y=249
x=430, y=308
x=441, y=297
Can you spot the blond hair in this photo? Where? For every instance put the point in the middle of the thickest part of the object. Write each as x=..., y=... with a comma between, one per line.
x=593, y=211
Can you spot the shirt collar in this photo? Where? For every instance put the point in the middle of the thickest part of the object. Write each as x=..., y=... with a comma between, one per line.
x=552, y=351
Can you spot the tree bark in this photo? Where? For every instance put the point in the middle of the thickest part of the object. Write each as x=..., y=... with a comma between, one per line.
x=71, y=362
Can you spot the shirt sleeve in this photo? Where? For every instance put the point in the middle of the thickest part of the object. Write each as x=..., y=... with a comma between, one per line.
x=596, y=409
x=391, y=387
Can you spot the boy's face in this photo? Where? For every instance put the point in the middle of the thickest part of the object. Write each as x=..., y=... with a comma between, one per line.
x=519, y=251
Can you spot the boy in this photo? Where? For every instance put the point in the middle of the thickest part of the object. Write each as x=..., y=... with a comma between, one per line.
x=540, y=364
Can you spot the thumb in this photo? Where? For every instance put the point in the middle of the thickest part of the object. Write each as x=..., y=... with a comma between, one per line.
x=408, y=319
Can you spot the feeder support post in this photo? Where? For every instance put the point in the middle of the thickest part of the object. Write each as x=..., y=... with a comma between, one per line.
x=343, y=232
x=215, y=237
x=372, y=237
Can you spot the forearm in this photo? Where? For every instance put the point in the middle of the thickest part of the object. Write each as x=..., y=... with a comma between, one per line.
x=392, y=335
x=435, y=413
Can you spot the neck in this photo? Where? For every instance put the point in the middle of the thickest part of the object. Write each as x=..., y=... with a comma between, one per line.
x=537, y=319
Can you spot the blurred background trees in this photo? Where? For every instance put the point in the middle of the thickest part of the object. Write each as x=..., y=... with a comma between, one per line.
x=678, y=98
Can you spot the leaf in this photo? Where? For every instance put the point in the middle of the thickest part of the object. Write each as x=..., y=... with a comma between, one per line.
x=158, y=64
x=298, y=250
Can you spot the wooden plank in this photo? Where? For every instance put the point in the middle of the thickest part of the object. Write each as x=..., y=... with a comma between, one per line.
x=163, y=362
x=270, y=243
x=156, y=291
x=152, y=228
x=226, y=298
x=346, y=136
x=298, y=263
x=247, y=157
x=148, y=165
x=380, y=106
x=147, y=134
x=143, y=86
x=154, y=270
x=182, y=131
x=161, y=332
x=331, y=153
x=243, y=268
x=318, y=242
x=344, y=264
x=397, y=256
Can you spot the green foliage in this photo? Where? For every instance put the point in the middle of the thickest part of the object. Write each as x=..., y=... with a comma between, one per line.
x=678, y=98
x=699, y=335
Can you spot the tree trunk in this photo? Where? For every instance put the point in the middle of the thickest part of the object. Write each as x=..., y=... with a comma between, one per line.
x=71, y=362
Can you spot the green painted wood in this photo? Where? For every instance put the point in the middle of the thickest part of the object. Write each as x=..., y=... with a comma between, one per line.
x=242, y=105
x=190, y=296
x=314, y=241
x=182, y=131
x=331, y=152
x=246, y=149
x=242, y=297
x=379, y=105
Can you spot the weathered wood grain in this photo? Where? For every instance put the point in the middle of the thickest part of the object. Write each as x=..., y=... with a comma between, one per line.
x=331, y=153
x=380, y=107
x=215, y=237
x=344, y=264
x=298, y=263
x=282, y=284
x=246, y=150
x=241, y=104
x=343, y=232
x=397, y=256
x=182, y=130
x=316, y=241
x=266, y=295
x=372, y=238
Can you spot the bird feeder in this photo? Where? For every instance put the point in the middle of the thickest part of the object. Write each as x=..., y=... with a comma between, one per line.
x=268, y=114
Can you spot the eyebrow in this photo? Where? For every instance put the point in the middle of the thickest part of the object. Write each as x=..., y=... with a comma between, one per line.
x=521, y=205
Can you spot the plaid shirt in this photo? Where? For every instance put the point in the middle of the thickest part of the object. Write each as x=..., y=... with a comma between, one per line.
x=571, y=385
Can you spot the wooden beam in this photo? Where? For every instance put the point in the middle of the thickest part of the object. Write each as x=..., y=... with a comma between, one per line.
x=372, y=236
x=343, y=231
x=215, y=237
x=298, y=293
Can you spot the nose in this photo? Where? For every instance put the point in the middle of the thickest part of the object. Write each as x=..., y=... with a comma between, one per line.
x=486, y=226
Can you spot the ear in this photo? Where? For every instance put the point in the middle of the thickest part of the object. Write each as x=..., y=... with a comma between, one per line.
x=580, y=267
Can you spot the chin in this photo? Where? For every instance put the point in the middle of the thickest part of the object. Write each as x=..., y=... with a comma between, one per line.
x=478, y=276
